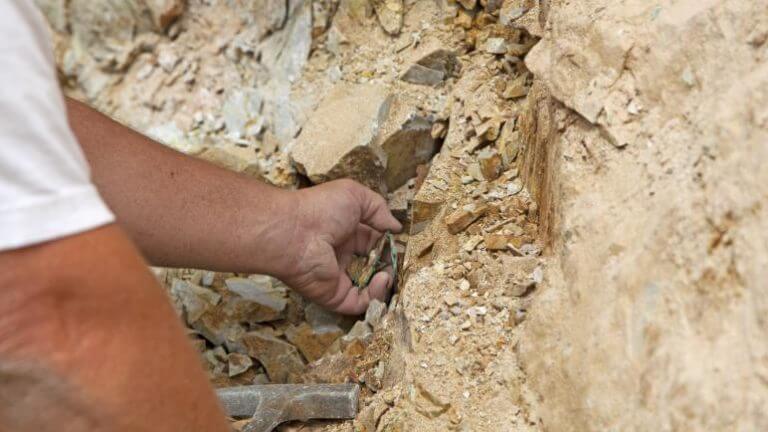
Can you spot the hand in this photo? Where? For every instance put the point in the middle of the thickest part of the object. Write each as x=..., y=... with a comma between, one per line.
x=333, y=222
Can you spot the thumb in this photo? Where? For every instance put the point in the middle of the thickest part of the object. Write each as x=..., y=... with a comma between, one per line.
x=374, y=210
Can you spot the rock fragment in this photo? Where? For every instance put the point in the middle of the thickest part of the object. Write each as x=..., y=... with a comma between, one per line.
x=195, y=299
x=491, y=164
x=364, y=133
x=516, y=88
x=390, y=15
x=426, y=402
x=313, y=342
x=256, y=300
x=497, y=242
x=460, y=219
x=281, y=360
x=237, y=364
x=431, y=64
x=495, y=45
x=375, y=313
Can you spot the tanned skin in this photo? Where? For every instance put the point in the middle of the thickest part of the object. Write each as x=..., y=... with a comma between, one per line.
x=86, y=310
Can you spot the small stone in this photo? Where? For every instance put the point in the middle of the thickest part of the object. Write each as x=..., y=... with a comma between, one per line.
x=452, y=339
x=508, y=144
x=497, y=242
x=468, y=4
x=466, y=325
x=196, y=300
x=399, y=201
x=375, y=313
x=464, y=285
x=511, y=12
x=460, y=219
x=516, y=88
x=475, y=171
x=430, y=64
x=390, y=15
x=489, y=130
x=361, y=331
x=495, y=45
x=238, y=363
x=464, y=19
x=472, y=243
x=439, y=130
x=491, y=164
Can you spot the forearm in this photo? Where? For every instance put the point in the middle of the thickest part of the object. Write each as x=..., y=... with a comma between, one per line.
x=86, y=310
x=182, y=212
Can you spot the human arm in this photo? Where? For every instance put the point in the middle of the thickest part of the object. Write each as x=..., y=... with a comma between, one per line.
x=85, y=310
x=184, y=212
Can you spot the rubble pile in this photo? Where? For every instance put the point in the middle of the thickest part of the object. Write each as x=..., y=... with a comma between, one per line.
x=420, y=101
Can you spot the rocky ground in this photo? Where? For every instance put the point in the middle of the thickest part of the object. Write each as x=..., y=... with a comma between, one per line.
x=573, y=184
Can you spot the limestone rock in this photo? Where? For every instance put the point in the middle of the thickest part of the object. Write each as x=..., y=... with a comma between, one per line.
x=460, y=219
x=399, y=202
x=238, y=363
x=281, y=360
x=390, y=15
x=375, y=313
x=258, y=290
x=497, y=242
x=361, y=331
x=491, y=164
x=430, y=64
x=364, y=133
x=312, y=342
x=196, y=300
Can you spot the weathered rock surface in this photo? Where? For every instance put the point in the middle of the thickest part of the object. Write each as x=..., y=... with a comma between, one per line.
x=313, y=342
x=280, y=359
x=430, y=64
x=364, y=133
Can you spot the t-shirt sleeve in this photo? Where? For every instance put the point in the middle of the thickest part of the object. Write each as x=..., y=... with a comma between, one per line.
x=45, y=187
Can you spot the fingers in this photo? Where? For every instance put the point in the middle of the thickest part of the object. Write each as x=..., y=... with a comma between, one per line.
x=375, y=212
x=355, y=301
x=362, y=241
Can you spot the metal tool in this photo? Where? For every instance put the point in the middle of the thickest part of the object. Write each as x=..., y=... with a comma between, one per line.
x=273, y=404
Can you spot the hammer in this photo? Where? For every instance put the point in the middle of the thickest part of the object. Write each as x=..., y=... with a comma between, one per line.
x=272, y=404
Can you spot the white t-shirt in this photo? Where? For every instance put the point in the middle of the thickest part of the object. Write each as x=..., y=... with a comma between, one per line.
x=45, y=187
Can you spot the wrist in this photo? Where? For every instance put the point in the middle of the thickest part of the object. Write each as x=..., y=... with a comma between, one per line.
x=273, y=231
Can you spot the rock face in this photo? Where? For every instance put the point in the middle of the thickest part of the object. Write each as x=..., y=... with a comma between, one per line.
x=365, y=133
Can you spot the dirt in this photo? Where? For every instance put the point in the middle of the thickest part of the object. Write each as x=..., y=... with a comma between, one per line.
x=588, y=246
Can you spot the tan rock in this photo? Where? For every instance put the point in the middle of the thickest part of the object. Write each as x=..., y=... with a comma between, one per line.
x=516, y=88
x=312, y=342
x=253, y=300
x=237, y=364
x=280, y=359
x=491, y=164
x=497, y=242
x=430, y=64
x=165, y=12
x=390, y=15
x=364, y=133
x=508, y=143
x=460, y=219
x=399, y=202
x=195, y=299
